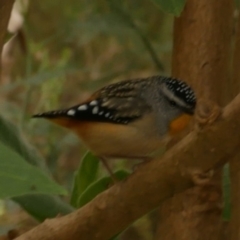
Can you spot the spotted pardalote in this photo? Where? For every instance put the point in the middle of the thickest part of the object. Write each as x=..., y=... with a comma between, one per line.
x=129, y=119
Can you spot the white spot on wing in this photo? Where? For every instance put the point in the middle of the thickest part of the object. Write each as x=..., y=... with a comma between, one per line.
x=93, y=103
x=71, y=112
x=95, y=110
x=82, y=107
x=107, y=114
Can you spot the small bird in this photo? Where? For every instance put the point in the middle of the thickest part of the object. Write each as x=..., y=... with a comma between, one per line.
x=131, y=119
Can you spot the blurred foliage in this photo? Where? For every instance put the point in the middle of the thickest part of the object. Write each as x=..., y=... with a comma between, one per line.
x=41, y=206
x=19, y=178
x=226, y=193
x=237, y=2
x=174, y=6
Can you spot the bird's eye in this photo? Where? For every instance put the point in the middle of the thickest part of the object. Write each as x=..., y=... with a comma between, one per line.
x=172, y=103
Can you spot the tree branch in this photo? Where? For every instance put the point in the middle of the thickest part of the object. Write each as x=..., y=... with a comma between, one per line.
x=152, y=183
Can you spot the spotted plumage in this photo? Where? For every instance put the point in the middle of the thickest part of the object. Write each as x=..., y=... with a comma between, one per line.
x=182, y=91
x=124, y=102
x=92, y=111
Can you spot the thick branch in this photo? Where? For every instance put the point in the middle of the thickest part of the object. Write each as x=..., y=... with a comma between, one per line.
x=152, y=183
x=201, y=56
x=202, y=43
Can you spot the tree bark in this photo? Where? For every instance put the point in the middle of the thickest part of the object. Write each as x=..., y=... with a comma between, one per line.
x=202, y=43
x=5, y=12
x=153, y=182
x=201, y=56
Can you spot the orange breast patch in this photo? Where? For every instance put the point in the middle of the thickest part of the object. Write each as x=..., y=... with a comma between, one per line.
x=179, y=123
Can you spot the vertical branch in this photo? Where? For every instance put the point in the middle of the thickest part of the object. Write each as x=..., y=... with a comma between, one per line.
x=202, y=41
x=201, y=56
x=5, y=11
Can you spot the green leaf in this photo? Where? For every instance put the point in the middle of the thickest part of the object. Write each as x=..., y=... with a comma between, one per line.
x=174, y=7
x=99, y=186
x=11, y=136
x=226, y=213
x=19, y=178
x=39, y=206
x=84, y=176
x=42, y=206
